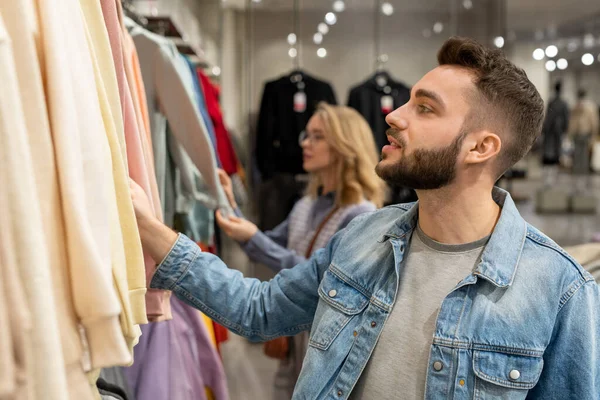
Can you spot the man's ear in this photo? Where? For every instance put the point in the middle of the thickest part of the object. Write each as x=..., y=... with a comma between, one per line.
x=482, y=146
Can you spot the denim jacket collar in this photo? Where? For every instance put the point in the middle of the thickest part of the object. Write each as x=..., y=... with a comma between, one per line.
x=501, y=255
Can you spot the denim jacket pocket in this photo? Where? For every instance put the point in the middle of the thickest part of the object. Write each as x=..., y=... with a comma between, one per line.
x=339, y=303
x=505, y=375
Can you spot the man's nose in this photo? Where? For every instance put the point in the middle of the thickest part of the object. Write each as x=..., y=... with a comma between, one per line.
x=397, y=118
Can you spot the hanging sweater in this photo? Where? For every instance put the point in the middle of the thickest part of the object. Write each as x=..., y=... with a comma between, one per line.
x=25, y=260
x=83, y=162
x=135, y=159
x=126, y=250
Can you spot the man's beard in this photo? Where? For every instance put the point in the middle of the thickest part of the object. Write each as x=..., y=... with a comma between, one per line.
x=423, y=169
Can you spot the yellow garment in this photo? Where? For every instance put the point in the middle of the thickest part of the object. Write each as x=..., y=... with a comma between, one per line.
x=209, y=393
x=210, y=328
x=128, y=264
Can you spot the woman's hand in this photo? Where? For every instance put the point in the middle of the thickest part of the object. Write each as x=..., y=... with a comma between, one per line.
x=238, y=229
x=227, y=187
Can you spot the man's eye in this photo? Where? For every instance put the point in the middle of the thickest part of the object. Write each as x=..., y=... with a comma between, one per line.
x=424, y=109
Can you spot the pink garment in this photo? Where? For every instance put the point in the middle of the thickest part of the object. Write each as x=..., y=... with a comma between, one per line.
x=139, y=157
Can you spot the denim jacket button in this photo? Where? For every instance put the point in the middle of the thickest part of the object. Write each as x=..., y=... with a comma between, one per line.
x=438, y=366
x=373, y=324
x=332, y=293
x=340, y=393
x=514, y=375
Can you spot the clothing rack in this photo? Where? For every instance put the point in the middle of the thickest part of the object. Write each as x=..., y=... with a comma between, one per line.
x=130, y=11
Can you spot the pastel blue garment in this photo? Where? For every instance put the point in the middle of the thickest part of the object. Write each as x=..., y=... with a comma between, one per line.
x=524, y=324
x=199, y=96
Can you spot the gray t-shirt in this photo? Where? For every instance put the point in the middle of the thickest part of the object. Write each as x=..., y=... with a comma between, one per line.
x=400, y=360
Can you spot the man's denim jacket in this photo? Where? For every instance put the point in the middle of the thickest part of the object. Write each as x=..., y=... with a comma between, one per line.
x=524, y=324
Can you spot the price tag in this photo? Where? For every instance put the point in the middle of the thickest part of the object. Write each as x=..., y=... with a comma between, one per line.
x=300, y=102
x=387, y=104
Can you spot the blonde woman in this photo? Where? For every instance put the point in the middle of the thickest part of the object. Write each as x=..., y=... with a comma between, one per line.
x=340, y=155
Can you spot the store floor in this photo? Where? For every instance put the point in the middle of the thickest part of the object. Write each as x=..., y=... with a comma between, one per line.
x=250, y=373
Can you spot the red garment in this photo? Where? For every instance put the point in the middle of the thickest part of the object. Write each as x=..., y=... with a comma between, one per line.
x=225, y=148
x=221, y=335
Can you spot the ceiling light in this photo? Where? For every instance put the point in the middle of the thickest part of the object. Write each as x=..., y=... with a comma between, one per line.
x=587, y=59
x=438, y=27
x=387, y=9
x=339, y=6
x=330, y=18
x=216, y=71
x=550, y=65
x=322, y=52
x=292, y=39
x=323, y=28
x=538, y=54
x=499, y=42
x=292, y=52
x=427, y=33
x=256, y=1
x=562, y=64
x=589, y=41
x=467, y=4
x=318, y=38
x=551, y=51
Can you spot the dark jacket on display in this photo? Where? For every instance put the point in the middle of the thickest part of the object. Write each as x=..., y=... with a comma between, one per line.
x=366, y=98
x=279, y=126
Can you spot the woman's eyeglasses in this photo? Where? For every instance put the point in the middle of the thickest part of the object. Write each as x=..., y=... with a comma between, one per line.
x=313, y=139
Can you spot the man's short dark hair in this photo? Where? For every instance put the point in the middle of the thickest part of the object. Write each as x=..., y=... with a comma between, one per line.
x=505, y=101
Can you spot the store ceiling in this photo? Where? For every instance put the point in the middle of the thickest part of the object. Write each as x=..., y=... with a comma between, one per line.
x=523, y=16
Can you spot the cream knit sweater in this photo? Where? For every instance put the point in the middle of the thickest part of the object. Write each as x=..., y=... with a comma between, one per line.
x=25, y=256
x=83, y=161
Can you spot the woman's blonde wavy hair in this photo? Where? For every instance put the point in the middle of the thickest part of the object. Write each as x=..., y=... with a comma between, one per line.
x=355, y=156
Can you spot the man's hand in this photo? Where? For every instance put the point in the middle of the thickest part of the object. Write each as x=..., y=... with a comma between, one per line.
x=156, y=237
x=227, y=187
x=141, y=203
x=238, y=229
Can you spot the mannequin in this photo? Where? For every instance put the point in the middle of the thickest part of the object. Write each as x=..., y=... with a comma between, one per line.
x=583, y=130
x=555, y=126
